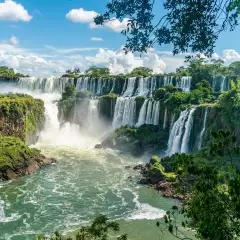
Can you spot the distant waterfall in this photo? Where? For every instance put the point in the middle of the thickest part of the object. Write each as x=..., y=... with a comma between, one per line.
x=165, y=119
x=167, y=80
x=143, y=89
x=45, y=85
x=142, y=114
x=130, y=87
x=220, y=84
x=187, y=133
x=184, y=83
x=93, y=116
x=125, y=112
x=156, y=113
x=203, y=129
x=149, y=113
x=180, y=133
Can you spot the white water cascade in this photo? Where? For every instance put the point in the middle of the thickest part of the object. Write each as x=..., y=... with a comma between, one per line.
x=203, y=129
x=180, y=133
x=130, y=87
x=125, y=112
x=167, y=81
x=149, y=113
x=187, y=133
x=165, y=119
x=184, y=83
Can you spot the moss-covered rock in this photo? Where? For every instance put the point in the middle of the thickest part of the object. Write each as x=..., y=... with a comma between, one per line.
x=21, y=116
x=137, y=140
x=17, y=159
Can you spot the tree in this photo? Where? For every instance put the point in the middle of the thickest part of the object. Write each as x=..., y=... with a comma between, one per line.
x=69, y=92
x=142, y=71
x=98, y=72
x=235, y=67
x=189, y=25
x=98, y=230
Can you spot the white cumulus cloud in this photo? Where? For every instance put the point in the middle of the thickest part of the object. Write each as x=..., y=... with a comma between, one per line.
x=12, y=11
x=82, y=16
x=96, y=39
x=13, y=40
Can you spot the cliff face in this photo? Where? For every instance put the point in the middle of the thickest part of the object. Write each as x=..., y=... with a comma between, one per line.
x=21, y=116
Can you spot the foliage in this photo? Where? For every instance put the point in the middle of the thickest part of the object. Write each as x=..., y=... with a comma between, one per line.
x=98, y=72
x=98, y=230
x=110, y=96
x=13, y=152
x=70, y=91
x=9, y=72
x=188, y=25
x=229, y=102
x=72, y=73
x=141, y=72
x=235, y=68
x=213, y=203
x=20, y=115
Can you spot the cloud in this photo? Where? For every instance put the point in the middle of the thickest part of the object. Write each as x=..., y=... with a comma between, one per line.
x=230, y=55
x=70, y=50
x=13, y=40
x=82, y=16
x=115, y=25
x=96, y=39
x=12, y=11
x=119, y=62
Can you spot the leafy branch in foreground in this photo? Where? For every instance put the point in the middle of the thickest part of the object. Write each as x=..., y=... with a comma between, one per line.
x=98, y=230
x=189, y=25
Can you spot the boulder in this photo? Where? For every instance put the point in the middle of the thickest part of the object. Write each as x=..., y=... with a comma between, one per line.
x=98, y=146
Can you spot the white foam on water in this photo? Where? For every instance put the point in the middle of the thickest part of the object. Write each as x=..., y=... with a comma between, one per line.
x=146, y=211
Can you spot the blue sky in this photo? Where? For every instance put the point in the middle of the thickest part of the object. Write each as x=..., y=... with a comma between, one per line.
x=44, y=38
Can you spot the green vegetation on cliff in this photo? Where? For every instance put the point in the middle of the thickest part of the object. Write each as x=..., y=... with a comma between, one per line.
x=20, y=115
x=7, y=72
x=13, y=152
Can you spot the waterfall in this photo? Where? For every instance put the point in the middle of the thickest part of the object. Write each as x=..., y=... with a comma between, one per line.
x=124, y=86
x=124, y=112
x=165, y=119
x=187, y=133
x=172, y=121
x=184, y=83
x=142, y=114
x=130, y=87
x=93, y=116
x=167, y=80
x=156, y=112
x=113, y=85
x=180, y=133
x=203, y=129
x=153, y=86
x=143, y=89
x=223, y=86
x=45, y=85
x=149, y=113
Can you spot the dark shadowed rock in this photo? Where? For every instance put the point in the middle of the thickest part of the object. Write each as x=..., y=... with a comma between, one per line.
x=98, y=146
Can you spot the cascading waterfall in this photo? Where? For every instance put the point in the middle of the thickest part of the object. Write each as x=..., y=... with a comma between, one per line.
x=149, y=113
x=180, y=133
x=203, y=129
x=167, y=80
x=165, y=119
x=156, y=113
x=187, y=133
x=142, y=114
x=124, y=112
x=184, y=83
x=143, y=89
x=224, y=85
x=130, y=87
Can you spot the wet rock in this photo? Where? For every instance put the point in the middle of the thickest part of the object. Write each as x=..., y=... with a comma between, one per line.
x=98, y=146
x=139, y=167
x=144, y=181
x=127, y=167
